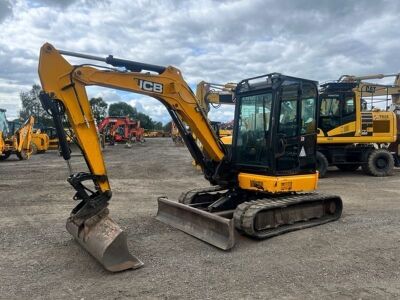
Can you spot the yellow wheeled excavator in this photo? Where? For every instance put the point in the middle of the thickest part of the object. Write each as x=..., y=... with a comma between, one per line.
x=358, y=124
x=258, y=188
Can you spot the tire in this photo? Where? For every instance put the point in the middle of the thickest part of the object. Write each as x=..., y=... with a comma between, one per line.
x=34, y=148
x=24, y=154
x=5, y=155
x=348, y=167
x=322, y=164
x=380, y=163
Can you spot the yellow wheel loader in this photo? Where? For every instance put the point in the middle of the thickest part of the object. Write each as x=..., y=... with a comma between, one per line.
x=40, y=141
x=53, y=138
x=264, y=186
x=358, y=125
x=19, y=142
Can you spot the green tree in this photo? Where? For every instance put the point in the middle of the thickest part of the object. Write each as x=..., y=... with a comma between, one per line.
x=122, y=109
x=31, y=106
x=145, y=121
x=158, y=126
x=167, y=127
x=99, y=108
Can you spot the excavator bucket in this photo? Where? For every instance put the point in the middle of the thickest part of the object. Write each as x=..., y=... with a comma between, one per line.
x=106, y=241
x=212, y=228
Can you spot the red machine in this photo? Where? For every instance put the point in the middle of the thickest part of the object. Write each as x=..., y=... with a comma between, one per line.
x=121, y=129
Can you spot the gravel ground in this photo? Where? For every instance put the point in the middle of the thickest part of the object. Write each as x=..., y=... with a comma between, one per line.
x=355, y=257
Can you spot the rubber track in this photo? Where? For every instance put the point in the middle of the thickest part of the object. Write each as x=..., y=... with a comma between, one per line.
x=246, y=212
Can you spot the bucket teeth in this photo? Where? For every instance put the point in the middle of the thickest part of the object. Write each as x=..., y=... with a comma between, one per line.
x=104, y=240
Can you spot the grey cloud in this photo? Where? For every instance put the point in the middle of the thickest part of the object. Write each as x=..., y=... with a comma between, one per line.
x=17, y=65
x=53, y=3
x=5, y=9
x=209, y=40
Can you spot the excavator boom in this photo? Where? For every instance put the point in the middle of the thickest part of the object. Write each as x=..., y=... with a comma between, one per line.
x=64, y=91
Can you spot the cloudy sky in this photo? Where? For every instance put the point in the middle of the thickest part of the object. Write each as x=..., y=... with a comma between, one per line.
x=216, y=41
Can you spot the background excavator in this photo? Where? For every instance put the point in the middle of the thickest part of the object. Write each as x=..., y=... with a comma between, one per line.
x=15, y=138
x=215, y=94
x=209, y=94
x=358, y=125
x=257, y=187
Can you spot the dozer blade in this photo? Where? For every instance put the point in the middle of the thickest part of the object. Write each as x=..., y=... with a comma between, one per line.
x=106, y=241
x=211, y=228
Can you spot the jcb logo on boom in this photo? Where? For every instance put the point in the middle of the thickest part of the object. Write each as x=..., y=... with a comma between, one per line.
x=150, y=86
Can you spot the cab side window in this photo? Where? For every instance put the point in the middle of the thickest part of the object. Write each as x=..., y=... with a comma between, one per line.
x=288, y=123
x=308, y=109
x=348, y=108
x=330, y=107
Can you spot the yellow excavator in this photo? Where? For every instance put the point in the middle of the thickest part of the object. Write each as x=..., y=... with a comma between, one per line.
x=263, y=187
x=215, y=94
x=19, y=142
x=209, y=94
x=358, y=125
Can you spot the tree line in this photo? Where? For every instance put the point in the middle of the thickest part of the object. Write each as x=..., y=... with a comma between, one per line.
x=31, y=107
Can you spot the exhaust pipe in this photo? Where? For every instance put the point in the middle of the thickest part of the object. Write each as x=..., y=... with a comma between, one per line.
x=104, y=240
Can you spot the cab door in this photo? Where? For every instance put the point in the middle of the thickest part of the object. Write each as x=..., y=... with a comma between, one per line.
x=296, y=131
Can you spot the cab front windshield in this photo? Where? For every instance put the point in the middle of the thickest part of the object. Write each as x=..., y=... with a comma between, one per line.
x=254, y=123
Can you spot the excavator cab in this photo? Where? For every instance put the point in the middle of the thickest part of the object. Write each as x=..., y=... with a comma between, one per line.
x=337, y=105
x=263, y=146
